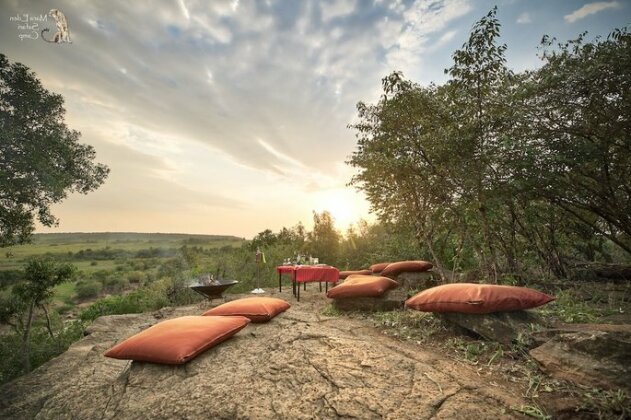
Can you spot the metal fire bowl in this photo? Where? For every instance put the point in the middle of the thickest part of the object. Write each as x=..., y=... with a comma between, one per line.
x=215, y=290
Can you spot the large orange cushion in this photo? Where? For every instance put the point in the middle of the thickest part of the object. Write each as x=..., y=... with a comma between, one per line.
x=176, y=341
x=344, y=274
x=476, y=298
x=362, y=286
x=258, y=309
x=396, y=268
x=378, y=268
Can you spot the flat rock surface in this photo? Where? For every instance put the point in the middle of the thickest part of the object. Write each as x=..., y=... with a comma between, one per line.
x=301, y=365
x=588, y=354
x=503, y=327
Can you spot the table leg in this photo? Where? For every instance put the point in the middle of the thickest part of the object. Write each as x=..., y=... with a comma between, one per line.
x=320, y=284
x=326, y=286
x=298, y=295
x=280, y=286
x=305, y=286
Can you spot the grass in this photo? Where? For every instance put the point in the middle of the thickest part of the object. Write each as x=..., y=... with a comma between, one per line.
x=65, y=246
x=64, y=292
x=409, y=325
x=607, y=403
x=572, y=306
x=533, y=411
x=64, y=243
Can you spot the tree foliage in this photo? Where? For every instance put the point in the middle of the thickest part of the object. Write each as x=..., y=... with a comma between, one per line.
x=41, y=275
x=41, y=159
x=502, y=172
x=323, y=241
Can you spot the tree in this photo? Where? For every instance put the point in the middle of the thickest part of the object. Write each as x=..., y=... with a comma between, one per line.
x=324, y=241
x=577, y=119
x=428, y=154
x=263, y=239
x=41, y=275
x=41, y=159
x=504, y=171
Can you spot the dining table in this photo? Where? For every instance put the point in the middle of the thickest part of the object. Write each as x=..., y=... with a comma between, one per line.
x=307, y=274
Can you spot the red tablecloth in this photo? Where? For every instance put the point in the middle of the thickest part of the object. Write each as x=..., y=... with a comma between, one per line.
x=310, y=273
x=285, y=269
x=305, y=274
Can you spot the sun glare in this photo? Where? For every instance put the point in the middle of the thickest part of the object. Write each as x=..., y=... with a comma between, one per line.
x=345, y=205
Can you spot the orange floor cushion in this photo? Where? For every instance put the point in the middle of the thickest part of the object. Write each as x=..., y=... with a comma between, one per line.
x=396, y=268
x=176, y=341
x=378, y=268
x=344, y=274
x=476, y=298
x=359, y=285
x=258, y=309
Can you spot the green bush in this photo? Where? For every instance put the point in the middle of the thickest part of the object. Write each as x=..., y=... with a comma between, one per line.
x=65, y=308
x=115, y=284
x=136, y=277
x=43, y=347
x=88, y=289
x=101, y=275
x=141, y=300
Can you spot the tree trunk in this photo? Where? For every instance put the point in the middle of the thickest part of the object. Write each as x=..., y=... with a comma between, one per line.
x=492, y=264
x=48, y=325
x=26, y=345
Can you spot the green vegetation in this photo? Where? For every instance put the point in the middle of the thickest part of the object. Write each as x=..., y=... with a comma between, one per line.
x=513, y=175
x=144, y=272
x=496, y=176
x=41, y=159
x=18, y=309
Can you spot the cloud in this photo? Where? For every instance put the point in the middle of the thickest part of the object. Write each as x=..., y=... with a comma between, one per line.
x=336, y=8
x=524, y=18
x=446, y=37
x=223, y=98
x=590, y=9
x=406, y=41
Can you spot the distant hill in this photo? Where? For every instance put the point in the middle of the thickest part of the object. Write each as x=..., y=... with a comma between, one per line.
x=88, y=237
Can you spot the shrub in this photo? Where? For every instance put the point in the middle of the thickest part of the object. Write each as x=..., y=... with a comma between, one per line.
x=115, y=284
x=136, y=277
x=43, y=347
x=140, y=300
x=88, y=289
x=101, y=275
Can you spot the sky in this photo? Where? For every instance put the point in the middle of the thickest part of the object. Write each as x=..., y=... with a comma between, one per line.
x=231, y=117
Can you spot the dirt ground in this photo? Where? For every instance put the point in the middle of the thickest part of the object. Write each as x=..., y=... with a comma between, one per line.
x=301, y=365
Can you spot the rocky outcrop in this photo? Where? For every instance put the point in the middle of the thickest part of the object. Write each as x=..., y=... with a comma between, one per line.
x=596, y=355
x=417, y=281
x=502, y=327
x=389, y=301
x=300, y=365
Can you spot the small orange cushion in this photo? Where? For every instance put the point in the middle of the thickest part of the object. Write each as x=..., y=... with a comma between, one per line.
x=396, y=268
x=344, y=274
x=258, y=309
x=378, y=268
x=362, y=286
x=476, y=298
x=176, y=341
